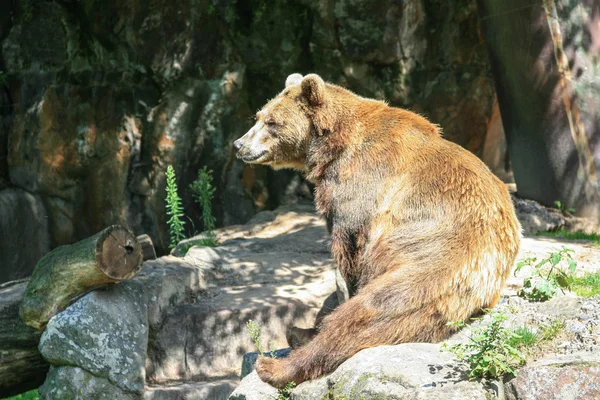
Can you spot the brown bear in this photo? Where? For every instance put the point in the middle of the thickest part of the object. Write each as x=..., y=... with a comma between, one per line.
x=420, y=227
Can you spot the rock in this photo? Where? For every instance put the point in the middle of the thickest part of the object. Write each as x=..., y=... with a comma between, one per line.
x=560, y=306
x=24, y=227
x=405, y=371
x=74, y=383
x=105, y=333
x=213, y=390
x=252, y=388
x=554, y=378
x=535, y=218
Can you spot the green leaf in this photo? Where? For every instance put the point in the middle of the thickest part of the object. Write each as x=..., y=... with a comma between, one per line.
x=563, y=281
x=556, y=257
x=572, y=265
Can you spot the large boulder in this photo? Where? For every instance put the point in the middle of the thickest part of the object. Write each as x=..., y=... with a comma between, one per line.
x=105, y=333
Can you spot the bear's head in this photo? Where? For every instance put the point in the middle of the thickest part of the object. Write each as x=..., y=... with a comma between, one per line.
x=284, y=125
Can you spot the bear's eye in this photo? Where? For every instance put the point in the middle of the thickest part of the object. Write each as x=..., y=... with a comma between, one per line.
x=270, y=122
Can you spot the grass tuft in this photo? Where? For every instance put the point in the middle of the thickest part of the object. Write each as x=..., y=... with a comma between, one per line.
x=594, y=237
x=587, y=285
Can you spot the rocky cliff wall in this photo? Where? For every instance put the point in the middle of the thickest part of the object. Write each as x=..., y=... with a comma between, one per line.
x=97, y=98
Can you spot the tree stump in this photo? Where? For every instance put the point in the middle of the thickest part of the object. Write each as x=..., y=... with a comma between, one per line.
x=67, y=272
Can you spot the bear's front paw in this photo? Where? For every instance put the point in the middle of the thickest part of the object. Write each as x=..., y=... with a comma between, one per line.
x=272, y=371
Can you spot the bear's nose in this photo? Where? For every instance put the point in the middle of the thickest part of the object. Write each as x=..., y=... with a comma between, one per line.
x=237, y=145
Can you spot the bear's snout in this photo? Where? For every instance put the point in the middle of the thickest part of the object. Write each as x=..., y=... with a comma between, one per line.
x=237, y=145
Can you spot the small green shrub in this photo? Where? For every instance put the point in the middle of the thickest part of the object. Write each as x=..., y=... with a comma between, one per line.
x=524, y=337
x=203, y=192
x=587, y=285
x=3, y=78
x=548, y=276
x=490, y=352
x=174, y=209
x=563, y=208
x=254, y=332
x=549, y=332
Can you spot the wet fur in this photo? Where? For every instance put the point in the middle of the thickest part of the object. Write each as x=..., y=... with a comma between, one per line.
x=420, y=227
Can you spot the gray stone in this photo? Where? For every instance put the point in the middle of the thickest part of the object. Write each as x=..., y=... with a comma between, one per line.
x=560, y=306
x=571, y=377
x=73, y=383
x=213, y=390
x=24, y=227
x=105, y=333
x=252, y=388
x=535, y=218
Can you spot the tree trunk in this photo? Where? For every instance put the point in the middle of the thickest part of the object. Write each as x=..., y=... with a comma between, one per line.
x=67, y=272
x=545, y=58
x=22, y=367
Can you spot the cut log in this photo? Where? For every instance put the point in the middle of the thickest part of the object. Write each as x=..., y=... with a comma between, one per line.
x=67, y=272
x=22, y=367
x=148, y=251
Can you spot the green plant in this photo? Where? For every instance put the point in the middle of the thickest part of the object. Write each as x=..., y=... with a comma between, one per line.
x=174, y=209
x=203, y=192
x=285, y=393
x=31, y=395
x=523, y=337
x=547, y=276
x=2, y=78
x=587, y=285
x=549, y=332
x=489, y=352
x=254, y=332
x=563, y=208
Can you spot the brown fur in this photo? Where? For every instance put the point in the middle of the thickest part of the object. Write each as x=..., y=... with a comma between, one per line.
x=420, y=227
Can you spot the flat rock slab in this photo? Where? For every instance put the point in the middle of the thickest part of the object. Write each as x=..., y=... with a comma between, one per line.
x=570, y=377
x=276, y=270
x=216, y=390
x=105, y=333
x=406, y=371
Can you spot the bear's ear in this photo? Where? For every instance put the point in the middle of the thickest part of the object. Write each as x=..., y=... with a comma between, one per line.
x=293, y=79
x=313, y=89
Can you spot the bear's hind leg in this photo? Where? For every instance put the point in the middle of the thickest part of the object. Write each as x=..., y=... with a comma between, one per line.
x=383, y=313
